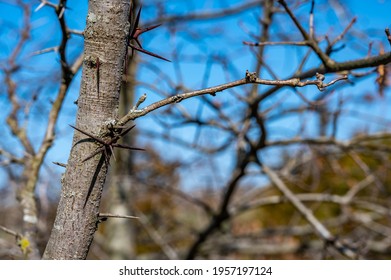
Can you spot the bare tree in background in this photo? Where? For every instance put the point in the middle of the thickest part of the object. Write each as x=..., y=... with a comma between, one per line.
x=323, y=198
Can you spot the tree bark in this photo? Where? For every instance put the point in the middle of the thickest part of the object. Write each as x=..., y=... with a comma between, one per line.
x=105, y=47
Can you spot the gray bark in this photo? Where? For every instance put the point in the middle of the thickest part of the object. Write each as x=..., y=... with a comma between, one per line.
x=104, y=53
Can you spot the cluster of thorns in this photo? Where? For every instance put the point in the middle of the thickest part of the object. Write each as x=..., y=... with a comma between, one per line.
x=107, y=146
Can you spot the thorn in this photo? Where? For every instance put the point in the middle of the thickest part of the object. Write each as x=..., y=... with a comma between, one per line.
x=140, y=31
x=107, y=145
x=106, y=156
x=136, y=32
x=148, y=52
x=135, y=25
x=122, y=146
x=112, y=151
x=89, y=134
x=93, y=154
x=126, y=130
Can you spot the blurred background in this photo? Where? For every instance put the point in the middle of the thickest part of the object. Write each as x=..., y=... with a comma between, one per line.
x=200, y=190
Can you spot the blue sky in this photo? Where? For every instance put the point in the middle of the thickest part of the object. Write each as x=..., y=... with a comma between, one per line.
x=372, y=18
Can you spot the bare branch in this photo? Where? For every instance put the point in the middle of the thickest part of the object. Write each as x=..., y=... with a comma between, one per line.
x=9, y=231
x=340, y=36
x=156, y=237
x=258, y=44
x=108, y=215
x=308, y=215
x=250, y=78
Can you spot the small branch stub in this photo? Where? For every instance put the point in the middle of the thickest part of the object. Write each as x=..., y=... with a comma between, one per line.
x=251, y=77
x=139, y=102
x=320, y=77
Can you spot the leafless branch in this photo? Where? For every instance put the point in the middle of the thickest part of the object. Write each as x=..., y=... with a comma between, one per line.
x=108, y=215
x=307, y=214
x=258, y=44
x=340, y=36
x=156, y=237
x=9, y=231
x=250, y=78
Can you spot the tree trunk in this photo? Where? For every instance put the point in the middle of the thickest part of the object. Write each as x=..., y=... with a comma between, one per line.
x=104, y=54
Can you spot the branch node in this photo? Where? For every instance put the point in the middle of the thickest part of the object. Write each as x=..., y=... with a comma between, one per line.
x=177, y=98
x=319, y=76
x=251, y=77
x=295, y=81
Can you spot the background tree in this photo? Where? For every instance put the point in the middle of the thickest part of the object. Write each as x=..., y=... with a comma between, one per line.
x=238, y=171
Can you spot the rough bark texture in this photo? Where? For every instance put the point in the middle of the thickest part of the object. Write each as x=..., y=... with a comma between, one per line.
x=105, y=47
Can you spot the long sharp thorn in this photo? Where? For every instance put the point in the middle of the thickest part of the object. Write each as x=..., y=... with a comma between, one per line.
x=148, y=52
x=93, y=154
x=127, y=147
x=88, y=134
x=126, y=63
x=138, y=43
x=106, y=155
x=112, y=152
x=136, y=22
x=140, y=31
x=130, y=31
x=118, y=136
x=149, y=28
x=132, y=52
x=126, y=130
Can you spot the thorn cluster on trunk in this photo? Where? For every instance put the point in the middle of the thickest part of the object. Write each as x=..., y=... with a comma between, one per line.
x=107, y=146
x=136, y=32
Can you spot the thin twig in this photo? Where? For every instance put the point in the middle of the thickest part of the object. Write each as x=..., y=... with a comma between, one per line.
x=47, y=50
x=320, y=229
x=109, y=215
x=340, y=36
x=290, y=43
x=9, y=231
x=156, y=237
x=327, y=61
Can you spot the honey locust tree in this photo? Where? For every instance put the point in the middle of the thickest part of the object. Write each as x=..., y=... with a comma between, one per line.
x=110, y=38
